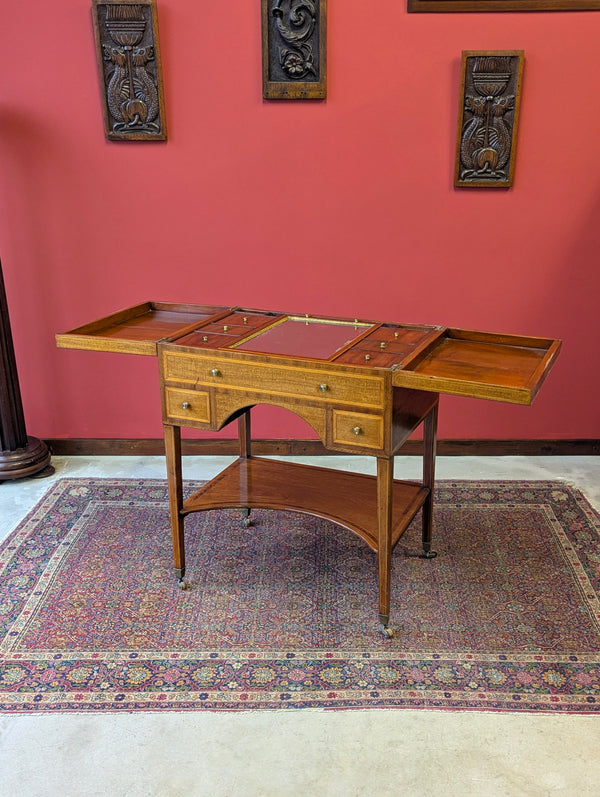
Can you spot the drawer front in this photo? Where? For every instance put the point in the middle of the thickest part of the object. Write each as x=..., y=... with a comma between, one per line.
x=357, y=429
x=275, y=381
x=187, y=405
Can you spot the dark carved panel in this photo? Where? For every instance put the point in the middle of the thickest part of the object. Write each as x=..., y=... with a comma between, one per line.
x=490, y=95
x=294, y=34
x=460, y=6
x=128, y=53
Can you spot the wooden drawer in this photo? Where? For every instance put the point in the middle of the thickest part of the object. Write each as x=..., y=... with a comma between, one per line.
x=274, y=381
x=357, y=429
x=187, y=405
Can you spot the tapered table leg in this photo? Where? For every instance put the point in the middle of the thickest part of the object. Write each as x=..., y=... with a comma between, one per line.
x=385, y=477
x=244, y=435
x=429, y=451
x=172, y=435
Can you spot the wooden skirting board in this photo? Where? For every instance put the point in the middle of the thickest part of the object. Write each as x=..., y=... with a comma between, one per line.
x=220, y=447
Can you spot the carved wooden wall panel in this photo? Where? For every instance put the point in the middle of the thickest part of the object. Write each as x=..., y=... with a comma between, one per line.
x=490, y=94
x=128, y=54
x=294, y=45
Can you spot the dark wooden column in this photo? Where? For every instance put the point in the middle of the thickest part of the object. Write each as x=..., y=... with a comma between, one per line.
x=20, y=455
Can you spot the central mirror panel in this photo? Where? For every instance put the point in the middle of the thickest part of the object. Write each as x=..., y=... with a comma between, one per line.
x=299, y=336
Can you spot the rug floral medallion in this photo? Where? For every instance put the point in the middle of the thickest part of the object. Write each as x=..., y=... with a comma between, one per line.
x=284, y=614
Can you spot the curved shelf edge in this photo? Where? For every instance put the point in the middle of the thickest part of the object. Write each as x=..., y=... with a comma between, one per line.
x=347, y=499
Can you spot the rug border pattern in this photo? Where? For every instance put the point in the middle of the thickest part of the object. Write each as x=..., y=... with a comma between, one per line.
x=299, y=679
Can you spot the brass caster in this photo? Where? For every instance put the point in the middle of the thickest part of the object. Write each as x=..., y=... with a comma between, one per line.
x=429, y=555
x=183, y=584
x=247, y=520
x=384, y=627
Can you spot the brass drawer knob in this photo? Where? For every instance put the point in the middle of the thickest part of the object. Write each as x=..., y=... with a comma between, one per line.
x=215, y=372
x=186, y=405
x=323, y=388
x=357, y=430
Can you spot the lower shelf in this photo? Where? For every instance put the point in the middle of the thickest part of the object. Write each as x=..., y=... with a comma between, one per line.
x=349, y=499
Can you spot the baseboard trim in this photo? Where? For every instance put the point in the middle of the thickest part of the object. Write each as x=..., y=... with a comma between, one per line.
x=219, y=447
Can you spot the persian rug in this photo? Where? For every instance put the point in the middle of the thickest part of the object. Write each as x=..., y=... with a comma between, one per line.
x=284, y=614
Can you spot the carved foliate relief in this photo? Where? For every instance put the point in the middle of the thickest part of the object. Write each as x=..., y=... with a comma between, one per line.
x=488, y=117
x=294, y=49
x=128, y=54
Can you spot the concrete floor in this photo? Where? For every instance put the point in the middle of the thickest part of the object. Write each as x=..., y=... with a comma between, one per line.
x=309, y=752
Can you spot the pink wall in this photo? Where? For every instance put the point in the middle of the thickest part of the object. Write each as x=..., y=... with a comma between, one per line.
x=342, y=207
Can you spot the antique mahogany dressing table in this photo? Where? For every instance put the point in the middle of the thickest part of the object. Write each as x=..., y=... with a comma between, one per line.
x=363, y=386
